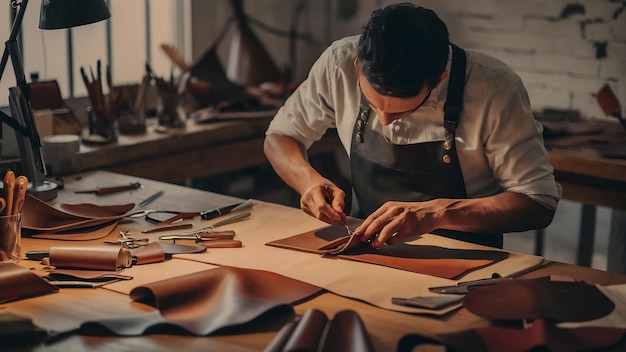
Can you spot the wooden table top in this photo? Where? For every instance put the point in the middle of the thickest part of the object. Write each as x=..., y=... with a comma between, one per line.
x=68, y=308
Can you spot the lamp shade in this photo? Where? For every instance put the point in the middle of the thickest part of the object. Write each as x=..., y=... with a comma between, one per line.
x=57, y=14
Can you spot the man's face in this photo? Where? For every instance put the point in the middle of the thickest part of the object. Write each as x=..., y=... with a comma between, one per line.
x=390, y=108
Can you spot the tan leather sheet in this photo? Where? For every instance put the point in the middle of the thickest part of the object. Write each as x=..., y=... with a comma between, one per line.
x=374, y=284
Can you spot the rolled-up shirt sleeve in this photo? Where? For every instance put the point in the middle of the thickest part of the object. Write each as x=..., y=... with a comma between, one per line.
x=515, y=149
x=308, y=112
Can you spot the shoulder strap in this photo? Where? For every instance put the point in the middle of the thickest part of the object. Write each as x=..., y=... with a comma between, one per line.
x=454, y=101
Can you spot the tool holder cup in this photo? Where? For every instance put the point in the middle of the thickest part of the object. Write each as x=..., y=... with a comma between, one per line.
x=10, y=238
x=170, y=111
x=103, y=127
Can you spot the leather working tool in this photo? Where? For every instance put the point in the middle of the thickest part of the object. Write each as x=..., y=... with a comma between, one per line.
x=205, y=214
x=19, y=194
x=208, y=233
x=465, y=287
x=8, y=192
x=109, y=190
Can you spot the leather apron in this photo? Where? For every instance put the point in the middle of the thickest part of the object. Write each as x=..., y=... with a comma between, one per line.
x=382, y=171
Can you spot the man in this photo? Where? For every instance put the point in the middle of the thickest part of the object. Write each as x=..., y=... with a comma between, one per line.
x=394, y=94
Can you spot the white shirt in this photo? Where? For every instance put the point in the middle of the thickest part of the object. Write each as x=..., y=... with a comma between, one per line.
x=499, y=143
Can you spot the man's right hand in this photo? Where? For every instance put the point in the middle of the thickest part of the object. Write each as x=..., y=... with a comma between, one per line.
x=324, y=201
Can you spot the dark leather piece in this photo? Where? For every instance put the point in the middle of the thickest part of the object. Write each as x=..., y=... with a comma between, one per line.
x=423, y=259
x=209, y=301
x=17, y=282
x=87, y=275
x=542, y=335
x=314, y=332
x=539, y=298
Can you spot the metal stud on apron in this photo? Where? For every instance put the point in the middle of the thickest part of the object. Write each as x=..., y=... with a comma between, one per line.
x=382, y=171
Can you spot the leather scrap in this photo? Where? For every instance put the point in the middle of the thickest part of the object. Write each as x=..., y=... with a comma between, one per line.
x=17, y=282
x=90, y=233
x=152, y=253
x=206, y=302
x=562, y=301
x=39, y=216
x=542, y=335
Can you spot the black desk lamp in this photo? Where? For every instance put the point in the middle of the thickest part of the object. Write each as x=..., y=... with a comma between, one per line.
x=54, y=14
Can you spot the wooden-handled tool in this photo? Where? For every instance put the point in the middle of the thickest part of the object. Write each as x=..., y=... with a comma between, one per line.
x=8, y=192
x=21, y=185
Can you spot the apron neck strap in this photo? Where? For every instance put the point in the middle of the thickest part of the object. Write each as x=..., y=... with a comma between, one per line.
x=454, y=100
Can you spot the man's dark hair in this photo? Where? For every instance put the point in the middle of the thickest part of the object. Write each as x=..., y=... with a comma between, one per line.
x=403, y=48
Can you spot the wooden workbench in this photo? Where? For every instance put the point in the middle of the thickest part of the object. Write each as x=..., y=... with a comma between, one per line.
x=70, y=307
x=196, y=150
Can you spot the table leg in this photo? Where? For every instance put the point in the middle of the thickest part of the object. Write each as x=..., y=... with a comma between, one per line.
x=586, y=235
x=539, y=241
x=616, y=261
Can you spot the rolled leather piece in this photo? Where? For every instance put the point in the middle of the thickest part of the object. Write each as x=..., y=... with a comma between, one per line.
x=103, y=257
x=307, y=335
x=17, y=282
x=314, y=332
x=347, y=333
x=539, y=298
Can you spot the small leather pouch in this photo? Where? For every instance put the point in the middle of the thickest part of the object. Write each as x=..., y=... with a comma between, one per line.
x=90, y=257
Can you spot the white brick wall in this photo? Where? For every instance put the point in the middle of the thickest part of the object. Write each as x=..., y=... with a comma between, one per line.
x=555, y=56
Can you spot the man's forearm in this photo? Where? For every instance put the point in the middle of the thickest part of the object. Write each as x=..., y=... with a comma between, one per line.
x=504, y=212
x=289, y=159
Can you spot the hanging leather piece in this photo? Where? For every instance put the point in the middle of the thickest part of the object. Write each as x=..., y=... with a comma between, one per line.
x=249, y=63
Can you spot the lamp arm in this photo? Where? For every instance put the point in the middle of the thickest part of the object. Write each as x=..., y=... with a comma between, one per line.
x=4, y=118
x=15, y=29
